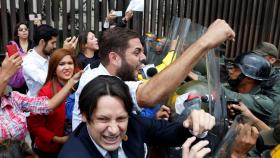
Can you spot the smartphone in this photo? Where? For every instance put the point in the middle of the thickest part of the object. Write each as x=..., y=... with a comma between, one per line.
x=117, y=13
x=34, y=17
x=11, y=49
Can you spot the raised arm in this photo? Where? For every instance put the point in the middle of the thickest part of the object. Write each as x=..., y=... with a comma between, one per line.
x=62, y=94
x=167, y=80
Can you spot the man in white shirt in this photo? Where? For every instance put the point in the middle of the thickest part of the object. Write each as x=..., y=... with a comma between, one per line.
x=35, y=63
x=122, y=53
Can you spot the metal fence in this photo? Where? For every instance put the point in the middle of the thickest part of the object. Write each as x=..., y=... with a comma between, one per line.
x=253, y=20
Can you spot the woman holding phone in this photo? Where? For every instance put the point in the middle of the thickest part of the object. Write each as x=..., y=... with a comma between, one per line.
x=22, y=43
x=49, y=130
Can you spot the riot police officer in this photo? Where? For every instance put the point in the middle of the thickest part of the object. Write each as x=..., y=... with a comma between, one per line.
x=245, y=79
x=271, y=87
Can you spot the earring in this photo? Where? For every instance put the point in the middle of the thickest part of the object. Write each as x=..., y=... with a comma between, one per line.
x=125, y=138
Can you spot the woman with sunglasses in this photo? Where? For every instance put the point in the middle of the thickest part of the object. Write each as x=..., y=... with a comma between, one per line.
x=24, y=44
x=21, y=37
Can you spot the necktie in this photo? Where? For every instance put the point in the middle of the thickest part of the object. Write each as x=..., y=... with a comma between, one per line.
x=114, y=154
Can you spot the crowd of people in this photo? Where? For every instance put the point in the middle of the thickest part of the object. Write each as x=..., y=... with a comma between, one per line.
x=87, y=99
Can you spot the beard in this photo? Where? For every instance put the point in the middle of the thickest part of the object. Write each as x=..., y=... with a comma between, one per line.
x=235, y=82
x=47, y=52
x=126, y=72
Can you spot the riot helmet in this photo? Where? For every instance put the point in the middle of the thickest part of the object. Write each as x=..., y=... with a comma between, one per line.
x=253, y=66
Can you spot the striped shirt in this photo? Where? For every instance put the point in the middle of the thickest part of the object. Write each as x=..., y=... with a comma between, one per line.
x=12, y=118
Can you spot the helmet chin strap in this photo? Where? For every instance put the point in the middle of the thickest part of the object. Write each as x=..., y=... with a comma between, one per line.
x=235, y=82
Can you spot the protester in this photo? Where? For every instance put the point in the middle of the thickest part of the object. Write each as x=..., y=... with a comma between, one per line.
x=21, y=37
x=49, y=130
x=113, y=20
x=13, y=105
x=35, y=63
x=109, y=127
x=23, y=44
x=88, y=47
x=121, y=54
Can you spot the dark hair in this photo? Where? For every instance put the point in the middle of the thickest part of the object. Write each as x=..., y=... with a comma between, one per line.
x=15, y=149
x=82, y=41
x=55, y=58
x=116, y=40
x=16, y=38
x=101, y=86
x=44, y=32
x=16, y=30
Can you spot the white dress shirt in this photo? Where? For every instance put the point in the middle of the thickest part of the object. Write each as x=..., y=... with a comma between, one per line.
x=86, y=77
x=35, y=70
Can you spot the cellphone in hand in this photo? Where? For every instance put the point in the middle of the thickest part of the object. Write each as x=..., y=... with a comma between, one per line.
x=33, y=17
x=11, y=49
x=117, y=13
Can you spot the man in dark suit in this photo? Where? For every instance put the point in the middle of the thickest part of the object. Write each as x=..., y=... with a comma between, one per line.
x=110, y=129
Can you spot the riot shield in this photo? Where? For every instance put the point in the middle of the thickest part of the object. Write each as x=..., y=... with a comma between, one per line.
x=225, y=148
x=177, y=26
x=217, y=105
x=190, y=93
x=150, y=47
x=189, y=33
x=156, y=57
x=187, y=97
x=188, y=37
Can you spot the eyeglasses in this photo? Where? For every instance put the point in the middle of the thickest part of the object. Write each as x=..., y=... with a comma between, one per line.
x=23, y=29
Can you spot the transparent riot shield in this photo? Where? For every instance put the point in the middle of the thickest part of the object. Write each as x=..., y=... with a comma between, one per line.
x=187, y=38
x=190, y=94
x=174, y=32
x=217, y=105
x=229, y=141
x=150, y=47
x=161, y=46
x=189, y=33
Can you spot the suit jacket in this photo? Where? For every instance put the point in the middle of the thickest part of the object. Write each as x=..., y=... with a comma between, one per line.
x=140, y=130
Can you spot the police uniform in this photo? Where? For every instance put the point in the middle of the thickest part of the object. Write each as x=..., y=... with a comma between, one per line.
x=271, y=88
x=255, y=67
x=259, y=104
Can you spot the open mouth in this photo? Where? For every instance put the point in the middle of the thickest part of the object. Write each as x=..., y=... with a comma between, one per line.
x=111, y=139
x=67, y=73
